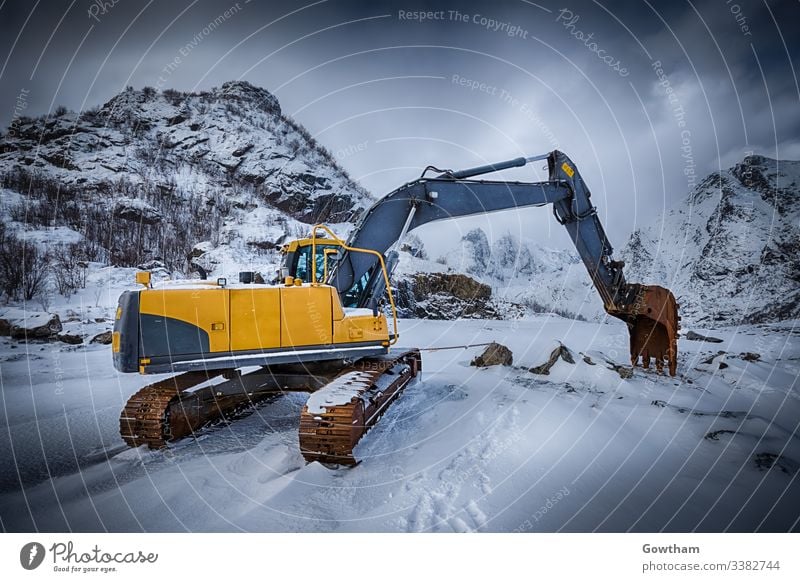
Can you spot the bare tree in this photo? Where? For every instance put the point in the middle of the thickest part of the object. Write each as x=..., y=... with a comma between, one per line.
x=35, y=269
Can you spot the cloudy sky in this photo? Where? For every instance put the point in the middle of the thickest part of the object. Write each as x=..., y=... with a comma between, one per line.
x=647, y=97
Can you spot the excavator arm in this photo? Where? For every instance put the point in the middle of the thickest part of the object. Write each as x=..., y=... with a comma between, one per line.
x=649, y=311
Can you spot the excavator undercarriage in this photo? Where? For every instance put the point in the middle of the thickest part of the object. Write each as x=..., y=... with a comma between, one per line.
x=347, y=400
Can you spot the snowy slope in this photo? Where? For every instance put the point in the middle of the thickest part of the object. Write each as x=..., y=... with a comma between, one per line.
x=464, y=449
x=731, y=250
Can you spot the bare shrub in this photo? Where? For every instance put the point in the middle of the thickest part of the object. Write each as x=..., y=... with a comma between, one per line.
x=69, y=271
x=23, y=268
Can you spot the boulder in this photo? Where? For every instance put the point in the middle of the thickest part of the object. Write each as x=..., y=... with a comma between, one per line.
x=449, y=296
x=69, y=338
x=137, y=210
x=696, y=337
x=102, y=338
x=494, y=355
x=39, y=325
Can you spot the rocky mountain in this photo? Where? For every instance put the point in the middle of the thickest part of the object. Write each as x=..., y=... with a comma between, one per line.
x=151, y=175
x=220, y=179
x=731, y=250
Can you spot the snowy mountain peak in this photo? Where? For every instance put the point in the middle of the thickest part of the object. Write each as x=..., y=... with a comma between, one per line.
x=148, y=105
x=243, y=91
x=730, y=250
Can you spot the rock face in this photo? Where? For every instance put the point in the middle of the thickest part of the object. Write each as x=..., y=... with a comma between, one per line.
x=137, y=211
x=731, y=251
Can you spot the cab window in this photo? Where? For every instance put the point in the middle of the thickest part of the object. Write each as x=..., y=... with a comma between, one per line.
x=303, y=269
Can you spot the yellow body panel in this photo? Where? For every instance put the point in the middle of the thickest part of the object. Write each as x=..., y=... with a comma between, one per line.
x=255, y=318
x=306, y=315
x=205, y=308
x=240, y=319
x=360, y=328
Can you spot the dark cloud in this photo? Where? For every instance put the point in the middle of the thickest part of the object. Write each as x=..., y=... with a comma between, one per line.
x=513, y=77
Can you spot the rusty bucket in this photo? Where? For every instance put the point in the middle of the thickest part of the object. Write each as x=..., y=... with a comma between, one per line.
x=653, y=324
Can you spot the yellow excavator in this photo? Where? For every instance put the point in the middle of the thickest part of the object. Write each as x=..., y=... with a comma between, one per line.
x=324, y=329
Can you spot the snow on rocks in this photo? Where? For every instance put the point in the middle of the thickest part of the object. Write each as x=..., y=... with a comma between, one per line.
x=522, y=275
x=20, y=324
x=224, y=166
x=102, y=338
x=70, y=338
x=137, y=210
x=730, y=250
x=696, y=337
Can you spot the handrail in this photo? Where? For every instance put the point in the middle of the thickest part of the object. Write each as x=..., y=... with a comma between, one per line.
x=344, y=245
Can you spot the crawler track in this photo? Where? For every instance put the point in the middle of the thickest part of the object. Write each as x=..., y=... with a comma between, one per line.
x=145, y=419
x=342, y=412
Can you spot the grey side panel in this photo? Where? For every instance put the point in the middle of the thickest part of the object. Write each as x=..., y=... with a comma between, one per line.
x=165, y=336
x=127, y=359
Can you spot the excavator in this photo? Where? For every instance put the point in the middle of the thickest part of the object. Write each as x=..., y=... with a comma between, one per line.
x=323, y=327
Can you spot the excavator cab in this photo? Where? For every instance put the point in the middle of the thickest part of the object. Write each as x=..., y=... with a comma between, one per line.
x=297, y=264
x=297, y=257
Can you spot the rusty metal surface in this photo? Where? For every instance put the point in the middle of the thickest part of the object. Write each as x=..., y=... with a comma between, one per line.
x=330, y=437
x=143, y=420
x=169, y=410
x=651, y=313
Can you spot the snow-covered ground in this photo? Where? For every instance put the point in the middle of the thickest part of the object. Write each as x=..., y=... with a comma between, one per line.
x=494, y=449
